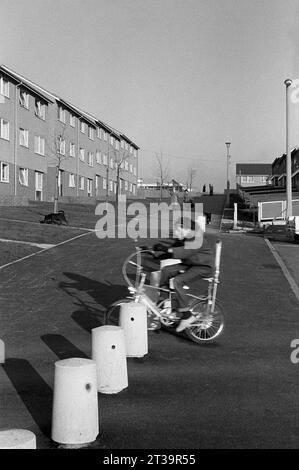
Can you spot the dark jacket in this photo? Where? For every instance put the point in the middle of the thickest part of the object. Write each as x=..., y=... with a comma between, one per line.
x=202, y=256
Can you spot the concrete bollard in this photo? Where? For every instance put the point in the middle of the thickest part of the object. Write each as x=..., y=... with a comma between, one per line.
x=17, y=439
x=109, y=354
x=2, y=352
x=133, y=319
x=75, y=419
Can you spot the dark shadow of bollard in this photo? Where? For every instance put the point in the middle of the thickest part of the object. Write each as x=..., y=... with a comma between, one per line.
x=62, y=347
x=35, y=393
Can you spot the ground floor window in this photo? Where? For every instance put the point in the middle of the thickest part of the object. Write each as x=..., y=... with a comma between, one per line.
x=38, y=186
x=23, y=176
x=4, y=173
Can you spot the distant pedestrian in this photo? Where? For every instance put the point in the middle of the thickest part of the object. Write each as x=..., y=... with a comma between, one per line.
x=211, y=189
x=204, y=188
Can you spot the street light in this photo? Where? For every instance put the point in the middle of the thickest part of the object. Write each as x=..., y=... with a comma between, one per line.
x=289, y=213
x=227, y=172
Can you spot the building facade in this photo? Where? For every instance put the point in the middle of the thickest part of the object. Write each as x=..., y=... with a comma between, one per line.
x=47, y=145
x=279, y=171
x=252, y=174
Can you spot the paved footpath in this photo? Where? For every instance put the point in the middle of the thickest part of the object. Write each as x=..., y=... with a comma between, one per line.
x=241, y=392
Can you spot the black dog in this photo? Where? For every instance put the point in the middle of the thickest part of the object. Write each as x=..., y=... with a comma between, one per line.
x=58, y=219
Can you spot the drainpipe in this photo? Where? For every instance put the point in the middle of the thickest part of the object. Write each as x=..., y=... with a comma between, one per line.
x=15, y=140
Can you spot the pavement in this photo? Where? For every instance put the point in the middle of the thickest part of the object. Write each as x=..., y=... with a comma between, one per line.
x=241, y=392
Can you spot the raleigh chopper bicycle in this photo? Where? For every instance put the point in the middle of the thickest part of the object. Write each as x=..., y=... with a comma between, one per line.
x=209, y=323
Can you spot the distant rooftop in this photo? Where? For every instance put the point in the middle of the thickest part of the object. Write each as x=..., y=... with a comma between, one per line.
x=254, y=169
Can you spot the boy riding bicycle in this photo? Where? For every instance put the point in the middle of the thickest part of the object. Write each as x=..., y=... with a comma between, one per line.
x=192, y=248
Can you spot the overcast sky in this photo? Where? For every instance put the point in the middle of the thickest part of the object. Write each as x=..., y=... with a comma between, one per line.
x=180, y=77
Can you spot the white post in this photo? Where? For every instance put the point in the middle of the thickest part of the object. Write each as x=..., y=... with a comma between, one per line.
x=75, y=419
x=287, y=83
x=235, y=215
x=133, y=319
x=2, y=352
x=17, y=439
x=109, y=353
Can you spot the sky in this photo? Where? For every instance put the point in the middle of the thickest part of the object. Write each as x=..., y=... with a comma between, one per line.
x=179, y=77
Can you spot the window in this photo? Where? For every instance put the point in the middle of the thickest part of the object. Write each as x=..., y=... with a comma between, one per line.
x=4, y=129
x=134, y=170
x=24, y=99
x=82, y=154
x=23, y=176
x=72, y=183
x=111, y=163
x=4, y=87
x=135, y=153
x=99, y=157
x=72, y=149
x=104, y=183
x=112, y=140
x=117, y=144
x=122, y=144
x=97, y=185
x=99, y=133
x=61, y=146
x=131, y=149
x=126, y=146
x=72, y=120
x=131, y=187
x=105, y=136
x=126, y=185
x=105, y=159
x=61, y=114
x=90, y=159
x=81, y=182
x=82, y=127
x=38, y=181
x=131, y=168
x=40, y=109
x=39, y=145
x=134, y=189
x=111, y=185
x=126, y=165
x=89, y=187
x=91, y=133
x=4, y=173
x=24, y=137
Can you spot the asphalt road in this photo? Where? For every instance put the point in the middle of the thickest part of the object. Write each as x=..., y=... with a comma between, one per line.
x=241, y=392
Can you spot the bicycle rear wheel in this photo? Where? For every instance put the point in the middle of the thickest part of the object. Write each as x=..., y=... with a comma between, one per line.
x=208, y=326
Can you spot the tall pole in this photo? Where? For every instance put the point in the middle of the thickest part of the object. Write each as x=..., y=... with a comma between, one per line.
x=227, y=172
x=289, y=213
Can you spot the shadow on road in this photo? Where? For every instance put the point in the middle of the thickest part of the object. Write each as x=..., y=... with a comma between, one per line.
x=62, y=347
x=33, y=390
x=91, y=311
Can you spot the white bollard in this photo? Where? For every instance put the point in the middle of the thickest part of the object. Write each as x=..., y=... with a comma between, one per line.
x=17, y=439
x=75, y=419
x=133, y=319
x=2, y=352
x=109, y=354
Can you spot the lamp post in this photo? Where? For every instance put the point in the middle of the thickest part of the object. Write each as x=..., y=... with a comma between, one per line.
x=289, y=213
x=227, y=172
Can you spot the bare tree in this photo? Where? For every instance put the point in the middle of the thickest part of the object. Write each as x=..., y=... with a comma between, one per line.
x=57, y=154
x=119, y=157
x=162, y=171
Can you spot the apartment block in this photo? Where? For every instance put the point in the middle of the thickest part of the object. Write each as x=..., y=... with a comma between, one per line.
x=47, y=144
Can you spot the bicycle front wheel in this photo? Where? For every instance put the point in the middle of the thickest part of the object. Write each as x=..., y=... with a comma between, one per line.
x=208, y=326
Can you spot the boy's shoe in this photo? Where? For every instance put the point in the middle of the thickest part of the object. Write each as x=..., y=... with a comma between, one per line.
x=185, y=323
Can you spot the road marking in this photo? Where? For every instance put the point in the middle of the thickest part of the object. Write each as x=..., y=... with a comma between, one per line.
x=44, y=249
x=39, y=245
x=285, y=270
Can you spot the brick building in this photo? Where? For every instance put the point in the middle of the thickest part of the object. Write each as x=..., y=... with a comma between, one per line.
x=44, y=139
